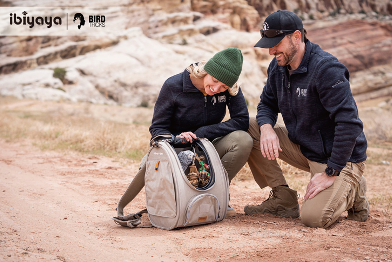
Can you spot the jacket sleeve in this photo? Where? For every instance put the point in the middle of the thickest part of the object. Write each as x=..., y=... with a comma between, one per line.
x=268, y=109
x=163, y=112
x=335, y=95
x=239, y=119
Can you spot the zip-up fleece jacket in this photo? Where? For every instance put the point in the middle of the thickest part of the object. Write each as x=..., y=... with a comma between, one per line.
x=317, y=107
x=181, y=107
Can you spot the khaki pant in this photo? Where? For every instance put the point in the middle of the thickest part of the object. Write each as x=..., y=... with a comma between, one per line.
x=233, y=149
x=326, y=207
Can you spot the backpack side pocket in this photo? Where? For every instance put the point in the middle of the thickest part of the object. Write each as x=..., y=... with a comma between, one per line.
x=160, y=194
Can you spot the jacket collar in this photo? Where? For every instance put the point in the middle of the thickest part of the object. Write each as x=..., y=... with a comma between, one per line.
x=187, y=83
x=303, y=67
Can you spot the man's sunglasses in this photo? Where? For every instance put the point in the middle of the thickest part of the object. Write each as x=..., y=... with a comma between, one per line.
x=274, y=33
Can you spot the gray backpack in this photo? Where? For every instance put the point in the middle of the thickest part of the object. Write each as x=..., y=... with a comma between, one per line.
x=173, y=198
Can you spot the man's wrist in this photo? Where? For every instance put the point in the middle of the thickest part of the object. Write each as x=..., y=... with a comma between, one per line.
x=331, y=172
x=264, y=126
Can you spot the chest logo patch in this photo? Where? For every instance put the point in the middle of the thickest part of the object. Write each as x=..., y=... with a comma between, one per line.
x=213, y=100
x=221, y=99
x=301, y=91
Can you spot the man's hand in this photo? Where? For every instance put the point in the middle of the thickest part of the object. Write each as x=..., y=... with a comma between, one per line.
x=269, y=142
x=318, y=183
x=188, y=136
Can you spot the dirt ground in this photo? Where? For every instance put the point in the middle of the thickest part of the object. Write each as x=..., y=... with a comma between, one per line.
x=58, y=206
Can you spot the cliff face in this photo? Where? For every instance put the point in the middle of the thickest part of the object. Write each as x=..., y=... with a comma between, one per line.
x=238, y=13
x=155, y=39
x=358, y=44
x=322, y=8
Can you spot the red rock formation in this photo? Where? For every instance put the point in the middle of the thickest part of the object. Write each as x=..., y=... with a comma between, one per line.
x=357, y=44
x=237, y=12
x=317, y=7
x=23, y=53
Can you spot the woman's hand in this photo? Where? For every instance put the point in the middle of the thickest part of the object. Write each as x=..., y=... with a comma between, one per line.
x=188, y=136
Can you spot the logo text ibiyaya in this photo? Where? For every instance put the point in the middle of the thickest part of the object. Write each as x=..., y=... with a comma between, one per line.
x=31, y=21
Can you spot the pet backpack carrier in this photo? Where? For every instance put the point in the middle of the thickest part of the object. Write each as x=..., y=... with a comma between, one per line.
x=184, y=185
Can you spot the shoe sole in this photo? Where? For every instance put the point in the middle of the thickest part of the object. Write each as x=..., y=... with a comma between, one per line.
x=281, y=211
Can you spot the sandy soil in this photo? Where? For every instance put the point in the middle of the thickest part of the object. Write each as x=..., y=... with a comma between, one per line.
x=56, y=206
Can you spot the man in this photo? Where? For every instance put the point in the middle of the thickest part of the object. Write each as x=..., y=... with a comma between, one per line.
x=322, y=134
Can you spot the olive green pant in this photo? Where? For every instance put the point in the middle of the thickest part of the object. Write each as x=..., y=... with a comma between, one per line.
x=326, y=207
x=233, y=150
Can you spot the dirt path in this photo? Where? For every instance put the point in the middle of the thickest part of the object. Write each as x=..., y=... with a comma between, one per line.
x=57, y=206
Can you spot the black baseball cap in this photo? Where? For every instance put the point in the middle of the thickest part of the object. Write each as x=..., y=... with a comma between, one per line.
x=276, y=26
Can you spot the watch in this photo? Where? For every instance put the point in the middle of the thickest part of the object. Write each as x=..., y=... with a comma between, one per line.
x=331, y=172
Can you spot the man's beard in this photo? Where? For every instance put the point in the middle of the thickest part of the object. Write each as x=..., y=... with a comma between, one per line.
x=289, y=56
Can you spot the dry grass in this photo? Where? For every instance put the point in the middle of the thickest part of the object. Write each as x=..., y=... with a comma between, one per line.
x=73, y=132
x=123, y=133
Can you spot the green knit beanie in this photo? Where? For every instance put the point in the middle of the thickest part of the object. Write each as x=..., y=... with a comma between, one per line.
x=225, y=66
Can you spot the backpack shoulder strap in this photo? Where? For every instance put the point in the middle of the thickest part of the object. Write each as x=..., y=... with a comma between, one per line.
x=133, y=189
x=132, y=220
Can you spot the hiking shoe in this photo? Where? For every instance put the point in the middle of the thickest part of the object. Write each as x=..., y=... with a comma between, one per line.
x=282, y=201
x=230, y=212
x=360, y=210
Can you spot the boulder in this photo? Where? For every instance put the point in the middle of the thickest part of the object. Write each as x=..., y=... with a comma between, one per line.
x=35, y=84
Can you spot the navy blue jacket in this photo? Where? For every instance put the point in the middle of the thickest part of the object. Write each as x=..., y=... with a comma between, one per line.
x=317, y=107
x=181, y=107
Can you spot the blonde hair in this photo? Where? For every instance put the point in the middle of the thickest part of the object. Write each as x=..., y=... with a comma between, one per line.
x=197, y=71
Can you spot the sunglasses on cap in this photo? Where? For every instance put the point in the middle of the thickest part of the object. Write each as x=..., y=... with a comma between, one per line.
x=274, y=33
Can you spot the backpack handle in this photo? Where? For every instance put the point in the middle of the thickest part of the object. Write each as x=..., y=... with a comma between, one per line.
x=171, y=139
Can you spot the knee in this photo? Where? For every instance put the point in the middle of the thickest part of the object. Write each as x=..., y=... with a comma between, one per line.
x=242, y=140
x=313, y=216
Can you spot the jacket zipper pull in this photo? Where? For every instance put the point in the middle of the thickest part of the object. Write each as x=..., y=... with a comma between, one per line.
x=288, y=85
x=205, y=101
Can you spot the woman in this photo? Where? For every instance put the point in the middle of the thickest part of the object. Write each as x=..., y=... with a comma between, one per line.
x=192, y=105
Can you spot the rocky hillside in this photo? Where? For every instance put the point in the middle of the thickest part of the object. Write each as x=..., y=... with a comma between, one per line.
x=318, y=9
x=153, y=39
